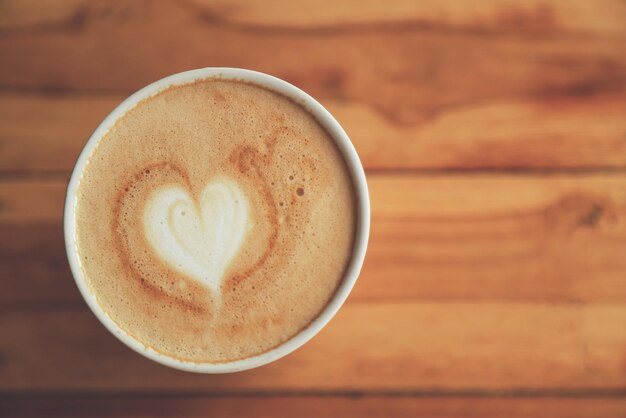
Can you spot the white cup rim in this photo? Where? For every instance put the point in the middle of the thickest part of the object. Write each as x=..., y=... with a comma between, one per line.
x=362, y=228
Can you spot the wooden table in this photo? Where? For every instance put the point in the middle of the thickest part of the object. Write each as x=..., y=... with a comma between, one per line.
x=494, y=137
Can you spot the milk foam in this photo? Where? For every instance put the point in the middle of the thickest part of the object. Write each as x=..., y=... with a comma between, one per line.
x=201, y=238
x=266, y=234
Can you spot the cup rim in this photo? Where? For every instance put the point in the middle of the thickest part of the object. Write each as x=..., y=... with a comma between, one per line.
x=357, y=174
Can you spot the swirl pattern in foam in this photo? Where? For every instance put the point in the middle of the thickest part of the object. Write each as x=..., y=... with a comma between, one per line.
x=215, y=220
x=199, y=240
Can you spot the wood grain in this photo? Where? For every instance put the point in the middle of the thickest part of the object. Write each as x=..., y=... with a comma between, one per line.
x=502, y=15
x=494, y=138
x=32, y=201
x=493, y=15
x=312, y=406
x=407, y=73
x=46, y=133
x=555, y=238
x=428, y=85
x=22, y=14
x=366, y=347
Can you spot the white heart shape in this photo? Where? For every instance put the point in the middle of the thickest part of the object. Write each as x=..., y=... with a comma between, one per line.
x=199, y=240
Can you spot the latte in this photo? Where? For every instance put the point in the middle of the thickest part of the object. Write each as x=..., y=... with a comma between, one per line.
x=214, y=220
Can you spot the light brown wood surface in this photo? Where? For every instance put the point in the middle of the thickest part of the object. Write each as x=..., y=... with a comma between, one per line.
x=313, y=407
x=494, y=138
x=42, y=133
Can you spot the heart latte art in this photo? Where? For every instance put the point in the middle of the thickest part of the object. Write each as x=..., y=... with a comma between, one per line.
x=198, y=238
x=215, y=220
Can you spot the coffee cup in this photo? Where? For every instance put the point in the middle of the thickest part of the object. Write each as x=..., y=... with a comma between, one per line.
x=357, y=250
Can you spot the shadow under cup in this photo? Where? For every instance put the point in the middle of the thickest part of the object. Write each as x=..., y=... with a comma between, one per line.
x=355, y=169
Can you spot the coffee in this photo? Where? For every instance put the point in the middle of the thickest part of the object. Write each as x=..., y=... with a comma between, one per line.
x=214, y=220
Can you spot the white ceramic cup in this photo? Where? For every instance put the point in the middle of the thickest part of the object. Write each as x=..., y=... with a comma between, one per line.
x=362, y=227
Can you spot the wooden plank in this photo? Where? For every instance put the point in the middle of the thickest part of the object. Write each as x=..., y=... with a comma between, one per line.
x=34, y=269
x=23, y=14
x=501, y=15
x=32, y=201
x=407, y=72
x=583, y=132
x=312, y=406
x=367, y=347
x=43, y=133
x=557, y=238
x=46, y=133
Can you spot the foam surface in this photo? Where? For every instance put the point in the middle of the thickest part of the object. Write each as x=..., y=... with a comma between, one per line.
x=215, y=220
x=198, y=240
